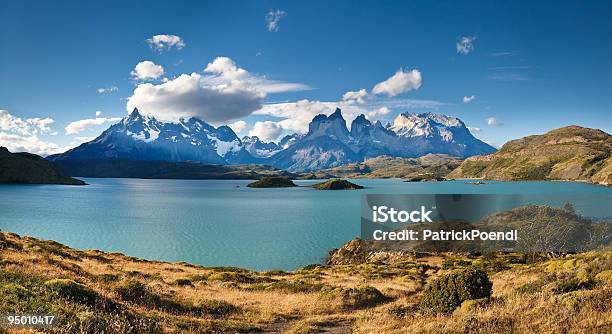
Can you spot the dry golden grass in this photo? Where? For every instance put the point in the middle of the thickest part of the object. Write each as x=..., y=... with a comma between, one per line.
x=181, y=297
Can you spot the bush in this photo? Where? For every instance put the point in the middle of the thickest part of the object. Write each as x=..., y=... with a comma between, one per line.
x=130, y=290
x=183, y=282
x=402, y=311
x=448, y=291
x=216, y=307
x=232, y=277
x=288, y=286
x=358, y=297
x=447, y=264
x=312, y=266
x=13, y=294
x=70, y=289
x=571, y=284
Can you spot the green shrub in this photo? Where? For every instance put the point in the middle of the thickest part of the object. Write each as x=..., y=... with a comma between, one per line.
x=471, y=305
x=571, y=284
x=13, y=294
x=183, y=282
x=216, y=307
x=288, y=286
x=131, y=290
x=448, y=291
x=531, y=287
x=447, y=264
x=70, y=289
x=276, y=272
x=312, y=266
x=401, y=311
x=232, y=276
x=358, y=297
x=108, y=278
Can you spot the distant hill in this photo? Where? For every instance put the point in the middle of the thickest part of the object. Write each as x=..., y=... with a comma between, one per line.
x=437, y=165
x=571, y=153
x=125, y=168
x=29, y=168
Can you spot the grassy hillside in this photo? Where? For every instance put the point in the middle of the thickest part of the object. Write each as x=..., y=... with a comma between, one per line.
x=438, y=165
x=93, y=291
x=570, y=153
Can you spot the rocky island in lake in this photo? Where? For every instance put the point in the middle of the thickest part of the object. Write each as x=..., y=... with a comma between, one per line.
x=336, y=185
x=272, y=182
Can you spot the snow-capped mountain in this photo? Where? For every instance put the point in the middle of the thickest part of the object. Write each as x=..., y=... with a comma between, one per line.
x=327, y=144
x=324, y=146
x=142, y=137
x=434, y=133
x=289, y=140
x=258, y=148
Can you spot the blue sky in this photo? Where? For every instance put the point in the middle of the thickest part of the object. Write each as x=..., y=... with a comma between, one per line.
x=530, y=66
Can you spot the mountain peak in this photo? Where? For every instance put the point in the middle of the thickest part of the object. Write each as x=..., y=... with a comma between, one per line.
x=333, y=125
x=361, y=119
x=337, y=114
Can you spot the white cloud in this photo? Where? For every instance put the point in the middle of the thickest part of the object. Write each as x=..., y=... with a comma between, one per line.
x=29, y=126
x=399, y=83
x=147, y=70
x=224, y=93
x=186, y=96
x=492, y=121
x=226, y=69
x=266, y=131
x=98, y=113
x=355, y=96
x=31, y=144
x=84, y=124
x=273, y=17
x=468, y=99
x=22, y=135
x=165, y=42
x=473, y=129
x=382, y=111
x=111, y=89
x=223, y=71
x=465, y=44
x=295, y=116
x=238, y=126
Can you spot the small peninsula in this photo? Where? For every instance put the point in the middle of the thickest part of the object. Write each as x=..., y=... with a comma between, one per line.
x=27, y=168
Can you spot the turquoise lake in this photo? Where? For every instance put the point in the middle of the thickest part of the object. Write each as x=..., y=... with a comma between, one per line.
x=224, y=223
